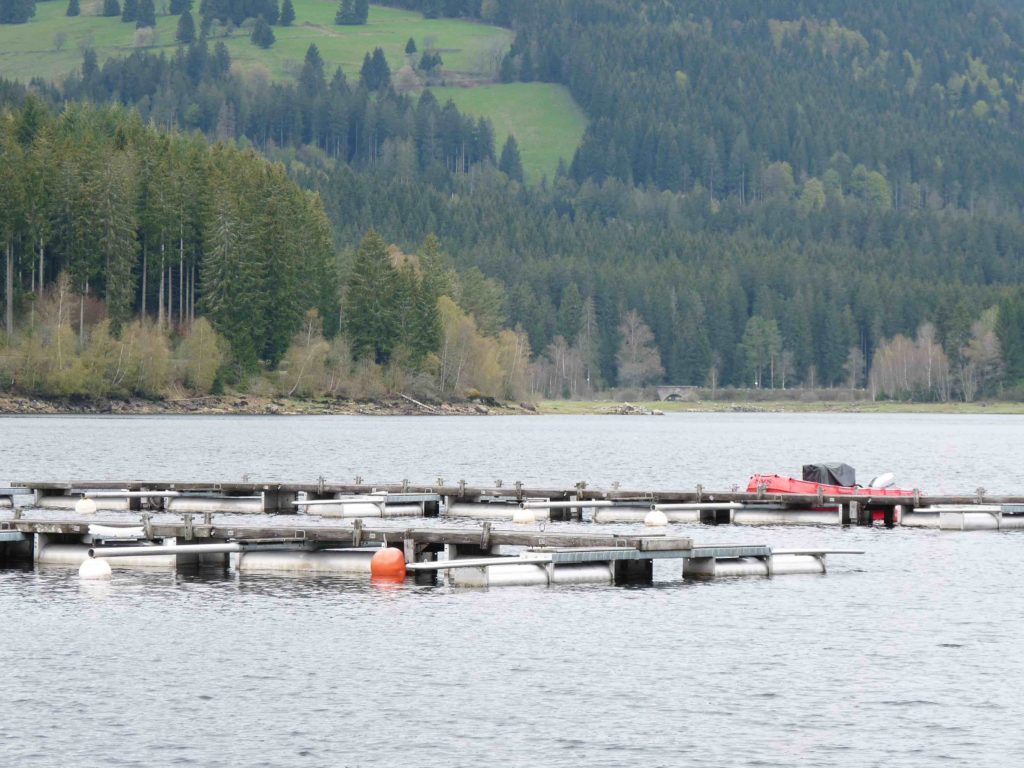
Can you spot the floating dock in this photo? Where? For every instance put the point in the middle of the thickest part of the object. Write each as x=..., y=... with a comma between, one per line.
x=469, y=557
x=518, y=503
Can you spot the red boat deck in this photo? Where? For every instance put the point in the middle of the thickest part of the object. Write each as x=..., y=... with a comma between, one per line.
x=780, y=484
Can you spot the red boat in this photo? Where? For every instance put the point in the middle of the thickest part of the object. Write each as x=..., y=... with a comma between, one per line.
x=830, y=480
x=780, y=484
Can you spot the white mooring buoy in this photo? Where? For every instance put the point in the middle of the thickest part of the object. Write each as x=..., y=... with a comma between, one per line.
x=94, y=568
x=85, y=506
x=524, y=517
x=656, y=519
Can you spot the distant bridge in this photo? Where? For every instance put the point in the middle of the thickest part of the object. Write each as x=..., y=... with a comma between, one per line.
x=677, y=393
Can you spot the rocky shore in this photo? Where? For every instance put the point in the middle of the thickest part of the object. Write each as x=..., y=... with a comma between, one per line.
x=252, y=405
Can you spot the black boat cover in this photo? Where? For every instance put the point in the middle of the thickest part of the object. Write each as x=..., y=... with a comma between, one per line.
x=832, y=473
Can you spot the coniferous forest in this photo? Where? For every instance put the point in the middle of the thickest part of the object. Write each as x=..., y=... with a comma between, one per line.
x=769, y=194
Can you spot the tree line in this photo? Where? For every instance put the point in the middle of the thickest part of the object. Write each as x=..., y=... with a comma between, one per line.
x=709, y=94
x=159, y=226
x=787, y=278
x=136, y=260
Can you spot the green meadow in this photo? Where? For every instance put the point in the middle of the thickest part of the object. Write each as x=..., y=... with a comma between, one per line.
x=542, y=116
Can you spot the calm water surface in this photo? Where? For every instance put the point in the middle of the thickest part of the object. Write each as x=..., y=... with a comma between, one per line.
x=907, y=656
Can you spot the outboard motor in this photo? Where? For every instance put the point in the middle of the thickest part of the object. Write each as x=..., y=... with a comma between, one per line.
x=884, y=480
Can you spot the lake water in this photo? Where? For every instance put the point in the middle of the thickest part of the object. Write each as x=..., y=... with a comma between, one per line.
x=909, y=655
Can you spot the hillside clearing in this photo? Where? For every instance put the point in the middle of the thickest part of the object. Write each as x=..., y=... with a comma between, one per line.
x=543, y=117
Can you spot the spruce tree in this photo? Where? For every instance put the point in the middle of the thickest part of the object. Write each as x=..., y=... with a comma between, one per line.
x=381, y=70
x=130, y=10
x=410, y=47
x=511, y=164
x=178, y=7
x=312, y=81
x=281, y=286
x=268, y=9
x=147, y=14
x=361, y=11
x=346, y=12
x=287, y=13
x=73, y=8
x=111, y=8
x=262, y=34
x=186, y=28
x=371, y=316
x=16, y=11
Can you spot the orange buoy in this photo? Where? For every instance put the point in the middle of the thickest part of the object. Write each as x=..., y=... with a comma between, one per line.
x=388, y=565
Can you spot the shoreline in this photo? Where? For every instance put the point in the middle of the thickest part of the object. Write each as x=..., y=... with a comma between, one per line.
x=604, y=407
x=252, y=405
x=245, y=405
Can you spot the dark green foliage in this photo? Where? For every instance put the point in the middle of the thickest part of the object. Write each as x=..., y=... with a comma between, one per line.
x=16, y=11
x=147, y=14
x=312, y=82
x=178, y=7
x=73, y=8
x=287, y=13
x=410, y=47
x=371, y=303
x=375, y=73
x=111, y=201
x=429, y=61
x=111, y=8
x=1010, y=332
x=352, y=12
x=511, y=164
x=186, y=32
x=237, y=11
x=130, y=10
x=89, y=65
x=844, y=235
x=262, y=35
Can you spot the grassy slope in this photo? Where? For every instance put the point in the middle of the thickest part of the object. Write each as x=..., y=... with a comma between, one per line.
x=545, y=120
x=543, y=117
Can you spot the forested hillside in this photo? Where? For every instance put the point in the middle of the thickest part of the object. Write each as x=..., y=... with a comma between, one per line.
x=769, y=194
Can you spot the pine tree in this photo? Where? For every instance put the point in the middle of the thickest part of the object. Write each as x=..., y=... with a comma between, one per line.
x=287, y=13
x=375, y=73
x=268, y=9
x=280, y=271
x=346, y=13
x=507, y=72
x=73, y=8
x=12, y=192
x=370, y=313
x=361, y=11
x=425, y=336
x=511, y=164
x=312, y=81
x=410, y=47
x=186, y=28
x=429, y=61
x=111, y=8
x=112, y=195
x=16, y=11
x=147, y=14
x=262, y=34
x=130, y=10
x=381, y=70
x=230, y=285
